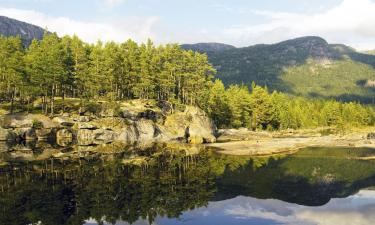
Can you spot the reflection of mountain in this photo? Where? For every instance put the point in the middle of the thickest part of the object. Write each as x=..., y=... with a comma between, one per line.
x=151, y=184
x=354, y=210
x=310, y=177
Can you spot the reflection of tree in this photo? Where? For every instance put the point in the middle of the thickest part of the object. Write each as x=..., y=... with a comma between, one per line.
x=69, y=193
x=309, y=177
x=159, y=182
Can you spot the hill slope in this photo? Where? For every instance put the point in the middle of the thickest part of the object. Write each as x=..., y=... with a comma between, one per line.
x=306, y=66
x=207, y=47
x=12, y=27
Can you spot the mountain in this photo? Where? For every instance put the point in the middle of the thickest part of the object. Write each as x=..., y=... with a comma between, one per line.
x=306, y=66
x=207, y=47
x=12, y=27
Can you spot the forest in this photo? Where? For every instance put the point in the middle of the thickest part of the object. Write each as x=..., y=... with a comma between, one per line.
x=62, y=68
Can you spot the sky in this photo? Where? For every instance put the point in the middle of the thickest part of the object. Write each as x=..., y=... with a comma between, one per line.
x=236, y=22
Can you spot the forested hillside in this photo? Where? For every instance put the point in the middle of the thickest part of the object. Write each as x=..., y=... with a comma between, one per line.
x=207, y=47
x=32, y=79
x=307, y=66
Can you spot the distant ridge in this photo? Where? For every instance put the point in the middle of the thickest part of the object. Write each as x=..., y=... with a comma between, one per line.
x=12, y=27
x=305, y=66
x=207, y=47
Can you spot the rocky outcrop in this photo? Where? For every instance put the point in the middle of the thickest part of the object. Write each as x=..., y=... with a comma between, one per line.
x=134, y=123
x=7, y=135
x=371, y=136
x=94, y=137
x=26, y=133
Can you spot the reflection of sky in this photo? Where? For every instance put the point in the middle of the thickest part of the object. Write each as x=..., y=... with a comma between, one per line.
x=358, y=209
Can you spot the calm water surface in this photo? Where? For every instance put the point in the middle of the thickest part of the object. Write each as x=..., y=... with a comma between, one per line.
x=114, y=184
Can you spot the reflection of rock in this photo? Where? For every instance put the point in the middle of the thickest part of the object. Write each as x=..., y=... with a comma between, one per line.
x=64, y=137
x=128, y=135
x=26, y=133
x=4, y=146
x=7, y=135
x=99, y=136
x=43, y=134
x=371, y=136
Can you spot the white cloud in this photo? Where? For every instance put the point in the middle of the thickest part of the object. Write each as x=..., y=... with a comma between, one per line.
x=136, y=28
x=351, y=22
x=354, y=210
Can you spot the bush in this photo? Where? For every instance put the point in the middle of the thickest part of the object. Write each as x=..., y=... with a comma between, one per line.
x=37, y=124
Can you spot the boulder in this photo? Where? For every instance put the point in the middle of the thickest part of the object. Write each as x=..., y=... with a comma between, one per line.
x=99, y=136
x=84, y=125
x=64, y=137
x=43, y=133
x=85, y=137
x=4, y=147
x=20, y=123
x=149, y=115
x=26, y=133
x=166, y=107
x=197, y=135
x=370, y=136
x=128, y=135
x=63, y=121
x=105, y=136
x=145, y=129
x=82, y=119
x=201, y=129
x=7, y=135
x=107, y=112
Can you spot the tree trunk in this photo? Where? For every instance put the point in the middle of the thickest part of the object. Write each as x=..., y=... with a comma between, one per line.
x=12, y=102
x=52, y=100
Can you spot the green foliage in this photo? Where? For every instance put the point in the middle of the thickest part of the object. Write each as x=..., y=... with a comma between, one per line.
x=344, y=80
x=237, y=107
x=308, y=67
x=37, y=124
x=69, y=68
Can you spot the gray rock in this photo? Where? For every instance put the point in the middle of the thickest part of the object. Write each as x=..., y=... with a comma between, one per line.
x=145, y=129
x=63, y=121
x=166, y=107
x=128, y=135
x=64, y=137
x=104, y=136
x=26, y=133
x=43, y=133
x=88, y=126
x=82, y=119
x=99, y=136
x=20, y=123
x=7, y=135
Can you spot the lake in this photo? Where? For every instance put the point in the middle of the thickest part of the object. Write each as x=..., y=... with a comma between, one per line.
x=192, y=185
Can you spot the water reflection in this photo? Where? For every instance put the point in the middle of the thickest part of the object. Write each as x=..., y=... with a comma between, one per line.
x=355, y=210
x=173, y=184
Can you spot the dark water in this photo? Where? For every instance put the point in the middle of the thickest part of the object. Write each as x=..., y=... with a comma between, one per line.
x=166, y=185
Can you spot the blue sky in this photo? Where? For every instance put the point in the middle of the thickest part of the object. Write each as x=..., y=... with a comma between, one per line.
x=237, y=22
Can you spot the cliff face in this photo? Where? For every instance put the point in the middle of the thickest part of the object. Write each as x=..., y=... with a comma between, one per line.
x=132, y=124
x=12, y=27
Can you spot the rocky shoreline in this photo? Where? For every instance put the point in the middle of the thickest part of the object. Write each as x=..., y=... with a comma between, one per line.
x=129, y=125
x=245, y=142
